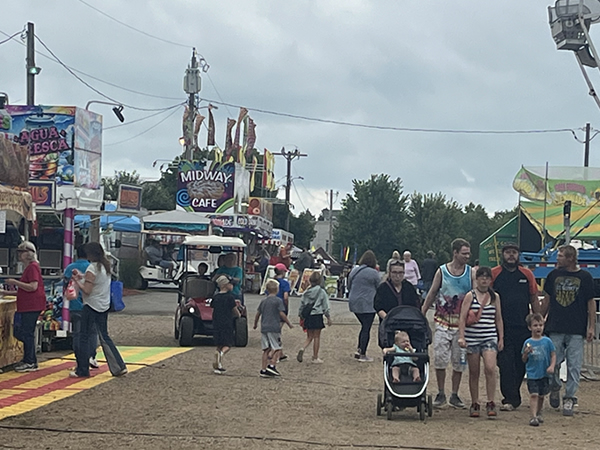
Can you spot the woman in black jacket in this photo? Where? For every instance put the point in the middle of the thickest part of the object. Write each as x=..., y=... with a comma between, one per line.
x=395, y=291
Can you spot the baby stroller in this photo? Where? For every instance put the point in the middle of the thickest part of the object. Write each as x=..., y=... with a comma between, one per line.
x=407, y=393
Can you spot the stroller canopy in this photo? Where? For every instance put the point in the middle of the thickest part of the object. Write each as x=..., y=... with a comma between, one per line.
x=409, y=319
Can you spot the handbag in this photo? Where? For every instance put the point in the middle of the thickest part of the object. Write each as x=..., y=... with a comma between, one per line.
x=71, y=291
x=116, y=296
x=474, y=316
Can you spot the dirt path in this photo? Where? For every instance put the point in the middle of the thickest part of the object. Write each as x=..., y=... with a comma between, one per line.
x=180, y=403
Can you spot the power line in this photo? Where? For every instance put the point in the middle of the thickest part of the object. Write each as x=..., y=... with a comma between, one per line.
x=92, y=87
x=389, y=128
x=10, y=37
x=135, y=29
x=143, y=132
x=299, y=198
x=91, y=76
x=131, y=122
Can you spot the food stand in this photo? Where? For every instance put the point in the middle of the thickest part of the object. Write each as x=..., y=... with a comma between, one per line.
x=63, y=147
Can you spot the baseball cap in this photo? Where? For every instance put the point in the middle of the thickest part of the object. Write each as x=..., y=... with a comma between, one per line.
x=223, y=280
x=280, y=266
x=510, y=245
x=26, y=246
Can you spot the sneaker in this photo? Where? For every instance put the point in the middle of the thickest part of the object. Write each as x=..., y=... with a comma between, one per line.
x=567, y=407
x=490, y=407
x=220, y=371
x=216, y=361
x=26, y=367
x=265, y=374
x=540, y=418
x=122, y=372
x=357, y=354
x=534, y=422
x=73, y=374
x=283, y=358
x=317, y=361
x=300, y=355
x=273, y=371
x=365, y=358
x=440, y=400
x=507, y=407
x=456, y=402
x=555, y=399
x=93, y=363
x=474, y=410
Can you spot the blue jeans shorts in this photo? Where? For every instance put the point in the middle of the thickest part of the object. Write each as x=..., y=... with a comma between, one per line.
x=478, y=349
x=539, y=387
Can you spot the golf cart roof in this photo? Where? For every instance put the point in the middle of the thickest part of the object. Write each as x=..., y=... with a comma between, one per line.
x=208, y=241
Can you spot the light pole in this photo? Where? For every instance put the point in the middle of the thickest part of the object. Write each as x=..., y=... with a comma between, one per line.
x=191, y=85
x=118, y=108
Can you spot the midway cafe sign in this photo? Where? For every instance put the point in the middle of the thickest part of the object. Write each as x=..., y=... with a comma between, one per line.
x=206, y=189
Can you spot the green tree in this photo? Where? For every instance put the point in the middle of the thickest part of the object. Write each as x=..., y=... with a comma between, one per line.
x=111, y=184
x=502, y=217
x=303, y=228
x=373, y=217
x=477, y=226
x=160, y=194
x=433, y=223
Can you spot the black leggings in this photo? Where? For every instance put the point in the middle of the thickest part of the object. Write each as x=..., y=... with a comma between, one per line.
x=366, y=322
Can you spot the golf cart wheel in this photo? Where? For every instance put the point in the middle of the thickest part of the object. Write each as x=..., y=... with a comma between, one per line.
x=143, y=283
x=186, y=331
x=429, y=405
x=241, y=331
x=422, y=407
x=379, y=403
x=176, y=330
x=390, y=408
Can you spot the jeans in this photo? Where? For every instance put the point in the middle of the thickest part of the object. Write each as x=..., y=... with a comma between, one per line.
x=366, y=322
x=76, y=328
x=89, y=319
x=569, y=347
x=512, y=367
x=24, y=331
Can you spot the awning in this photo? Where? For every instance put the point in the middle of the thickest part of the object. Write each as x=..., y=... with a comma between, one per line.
x=585, y=220
x=18, y=201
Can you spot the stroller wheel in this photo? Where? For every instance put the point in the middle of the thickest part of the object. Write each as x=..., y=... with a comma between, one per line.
x=379, y=403
x=422, y=408
x=389, y=407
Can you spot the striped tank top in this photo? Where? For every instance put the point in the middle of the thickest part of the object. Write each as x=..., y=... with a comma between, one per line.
x=452, y=292
x=485, y=329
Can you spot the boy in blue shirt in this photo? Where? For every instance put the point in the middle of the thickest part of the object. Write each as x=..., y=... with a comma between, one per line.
x=539, y=356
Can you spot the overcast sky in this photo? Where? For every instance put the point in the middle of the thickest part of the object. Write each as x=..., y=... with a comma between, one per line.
x=466, y=65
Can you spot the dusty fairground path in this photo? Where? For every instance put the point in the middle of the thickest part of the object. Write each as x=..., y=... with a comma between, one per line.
x=181, y=404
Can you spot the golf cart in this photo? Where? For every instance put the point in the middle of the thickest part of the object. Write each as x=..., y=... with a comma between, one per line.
x=193, y=315
x=170, y=243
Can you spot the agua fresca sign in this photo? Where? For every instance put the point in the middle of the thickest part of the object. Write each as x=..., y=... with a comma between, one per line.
x=203, y=188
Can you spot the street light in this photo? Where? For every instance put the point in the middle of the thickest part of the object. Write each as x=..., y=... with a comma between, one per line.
x=118, y=108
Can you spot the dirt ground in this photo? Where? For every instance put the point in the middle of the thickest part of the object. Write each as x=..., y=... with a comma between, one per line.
x=179, y=403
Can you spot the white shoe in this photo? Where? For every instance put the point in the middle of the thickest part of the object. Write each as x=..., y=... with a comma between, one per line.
x=94, y=364
x=317, y=361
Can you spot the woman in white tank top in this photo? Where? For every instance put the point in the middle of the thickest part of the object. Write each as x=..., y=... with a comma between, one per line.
x=481, y=335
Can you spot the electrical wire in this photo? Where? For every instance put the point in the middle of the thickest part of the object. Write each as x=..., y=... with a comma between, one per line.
x=10, y=37
x=389, y=128
x=299, y=197
x=133, y=91
x=131, y=122
x=135, y=29
x=93, y=88
x=143, y=132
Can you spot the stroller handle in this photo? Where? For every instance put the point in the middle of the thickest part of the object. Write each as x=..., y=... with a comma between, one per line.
x=419, y=356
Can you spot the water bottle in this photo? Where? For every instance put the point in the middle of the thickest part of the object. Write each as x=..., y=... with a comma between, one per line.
x=463, y=357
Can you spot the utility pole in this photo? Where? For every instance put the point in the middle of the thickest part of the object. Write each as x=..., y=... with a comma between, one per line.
x=586, y=157
x=289, y=156
x=191, y=86
x=32, y=69
x=329, y=246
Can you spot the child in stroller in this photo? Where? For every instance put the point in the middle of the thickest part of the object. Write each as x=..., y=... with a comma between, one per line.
x=403, y=364
x=411, y=390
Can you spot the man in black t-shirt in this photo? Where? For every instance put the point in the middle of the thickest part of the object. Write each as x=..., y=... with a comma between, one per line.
x=428, y=269
x=569, y=301
x=518, y=291
x=224, y=310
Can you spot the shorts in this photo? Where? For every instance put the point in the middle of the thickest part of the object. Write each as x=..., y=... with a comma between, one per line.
x=223, y=337
x=446, y=349
x=490, y=345
x=539, y=387
x=270, y=340
x=314, y=322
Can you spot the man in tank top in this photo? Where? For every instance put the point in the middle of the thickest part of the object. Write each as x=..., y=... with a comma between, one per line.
x=452, y=281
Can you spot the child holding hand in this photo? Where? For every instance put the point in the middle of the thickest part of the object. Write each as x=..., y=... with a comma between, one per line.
x=402, y=345
x=539, y=355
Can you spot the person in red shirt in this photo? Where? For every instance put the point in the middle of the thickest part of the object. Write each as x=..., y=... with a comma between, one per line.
x=31, y=301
